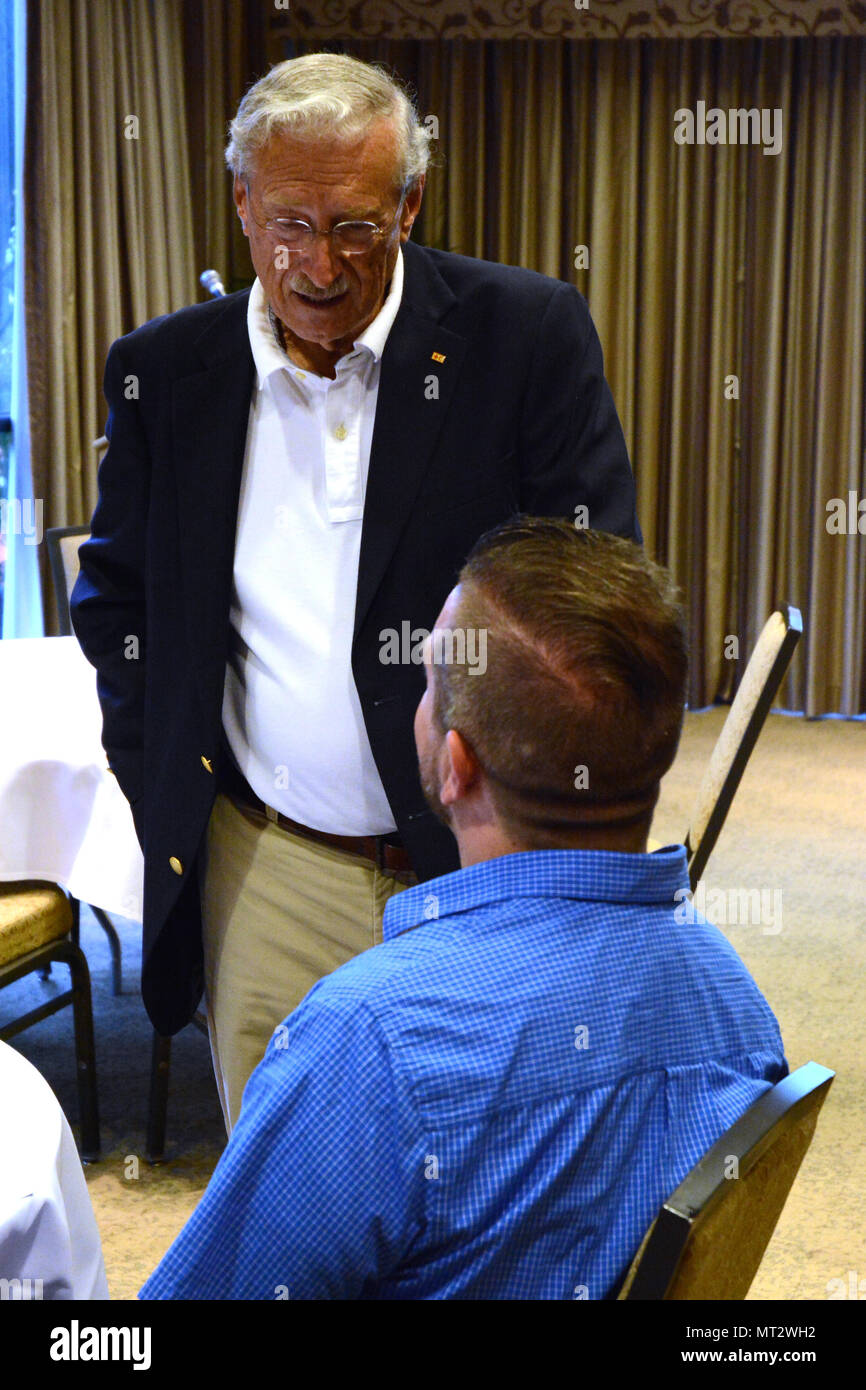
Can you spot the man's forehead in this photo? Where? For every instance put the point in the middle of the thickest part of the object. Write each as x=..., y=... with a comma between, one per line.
x=449, y=607
x=363, y=163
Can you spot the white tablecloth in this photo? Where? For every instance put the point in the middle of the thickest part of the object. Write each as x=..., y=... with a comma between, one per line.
x=49, y=1241
x=62, y=815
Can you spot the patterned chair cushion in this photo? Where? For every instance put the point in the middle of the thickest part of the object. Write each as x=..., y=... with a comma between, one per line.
x=32, y=914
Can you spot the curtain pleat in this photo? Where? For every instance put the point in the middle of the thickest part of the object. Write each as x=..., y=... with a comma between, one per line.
x=221, y=58
x=108, y=219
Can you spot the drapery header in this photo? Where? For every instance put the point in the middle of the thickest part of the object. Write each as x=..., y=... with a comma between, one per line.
x=329, y=20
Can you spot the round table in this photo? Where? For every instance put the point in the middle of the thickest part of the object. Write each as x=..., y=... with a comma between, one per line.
x=63, y=818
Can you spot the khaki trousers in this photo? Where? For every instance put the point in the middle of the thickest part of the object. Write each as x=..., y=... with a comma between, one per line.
x=278, y=912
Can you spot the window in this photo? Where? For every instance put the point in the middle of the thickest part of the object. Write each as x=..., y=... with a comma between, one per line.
x=7, y=263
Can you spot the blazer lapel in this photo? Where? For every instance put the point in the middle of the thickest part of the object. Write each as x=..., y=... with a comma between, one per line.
x=408, y=416
x=210, y=416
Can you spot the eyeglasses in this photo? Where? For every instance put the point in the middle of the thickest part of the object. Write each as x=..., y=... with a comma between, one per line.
x=347, y=238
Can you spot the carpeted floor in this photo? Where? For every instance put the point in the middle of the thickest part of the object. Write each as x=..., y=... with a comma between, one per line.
x=797, y=828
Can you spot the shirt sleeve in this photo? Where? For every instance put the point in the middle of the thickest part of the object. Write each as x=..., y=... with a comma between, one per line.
x=317, y=1194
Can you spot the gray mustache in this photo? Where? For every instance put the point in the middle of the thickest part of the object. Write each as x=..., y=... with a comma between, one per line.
x=301, y=285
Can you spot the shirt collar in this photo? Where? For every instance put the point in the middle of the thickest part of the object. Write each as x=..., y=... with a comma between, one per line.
x=269, y=357
x=579, y=874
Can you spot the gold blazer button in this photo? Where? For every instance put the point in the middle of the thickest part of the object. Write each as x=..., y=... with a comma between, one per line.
x=176, y=865
x=206, y=763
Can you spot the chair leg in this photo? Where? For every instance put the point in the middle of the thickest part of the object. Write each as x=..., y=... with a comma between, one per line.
x=45, y=972
x=85, y=1051
x=114, y=945
x=76, y=918
x=158, y=1099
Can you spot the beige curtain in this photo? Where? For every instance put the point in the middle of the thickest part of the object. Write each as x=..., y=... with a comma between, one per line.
x=706, y=263
x=107, y=218
x=728, y=286
x=222, y=57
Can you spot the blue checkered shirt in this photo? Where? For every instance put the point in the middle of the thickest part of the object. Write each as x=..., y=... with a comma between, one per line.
x=491, y=1104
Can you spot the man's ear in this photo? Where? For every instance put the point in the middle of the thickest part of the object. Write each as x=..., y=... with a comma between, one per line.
x=411, y=207
x=241, y=201
x=460, y=768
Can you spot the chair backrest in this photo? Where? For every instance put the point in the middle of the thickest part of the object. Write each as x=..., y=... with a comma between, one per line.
x=710, y=1236
x=63, y=543
x=758, y=688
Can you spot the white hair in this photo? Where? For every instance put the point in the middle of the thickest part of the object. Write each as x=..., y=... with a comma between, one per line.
x=327, y=95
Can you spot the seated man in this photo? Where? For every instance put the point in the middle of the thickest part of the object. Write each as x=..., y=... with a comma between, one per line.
x=494, y=1102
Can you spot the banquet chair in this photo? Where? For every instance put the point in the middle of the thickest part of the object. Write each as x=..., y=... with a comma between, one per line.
x=710, y=1236
x=36, y=920
x=63, y=543
x=755, y=695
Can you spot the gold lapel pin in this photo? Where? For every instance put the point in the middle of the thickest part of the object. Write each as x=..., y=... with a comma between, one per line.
x=438, y=356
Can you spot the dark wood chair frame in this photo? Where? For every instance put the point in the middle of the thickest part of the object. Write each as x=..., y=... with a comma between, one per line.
x=157, y=1104
x=764, y=1124
x=700, y=853
x=66, y=952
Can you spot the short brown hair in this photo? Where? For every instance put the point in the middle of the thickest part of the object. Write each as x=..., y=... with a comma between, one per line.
x=586, y=665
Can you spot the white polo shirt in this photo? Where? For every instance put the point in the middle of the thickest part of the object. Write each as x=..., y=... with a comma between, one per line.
x=290, y=708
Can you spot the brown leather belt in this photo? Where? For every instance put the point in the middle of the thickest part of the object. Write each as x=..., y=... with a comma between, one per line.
x=379, y=849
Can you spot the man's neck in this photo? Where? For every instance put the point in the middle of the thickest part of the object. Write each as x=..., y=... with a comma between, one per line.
x=311, y=357
x=477, y=843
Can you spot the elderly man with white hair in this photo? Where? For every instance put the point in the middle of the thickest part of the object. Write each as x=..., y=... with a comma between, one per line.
x=295, y=477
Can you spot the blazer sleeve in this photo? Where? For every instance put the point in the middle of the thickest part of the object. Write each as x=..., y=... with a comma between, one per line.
x=107, y=606
x=574, y=451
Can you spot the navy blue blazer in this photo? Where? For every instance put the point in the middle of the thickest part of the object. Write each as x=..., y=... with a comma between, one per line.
x=520, y=418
